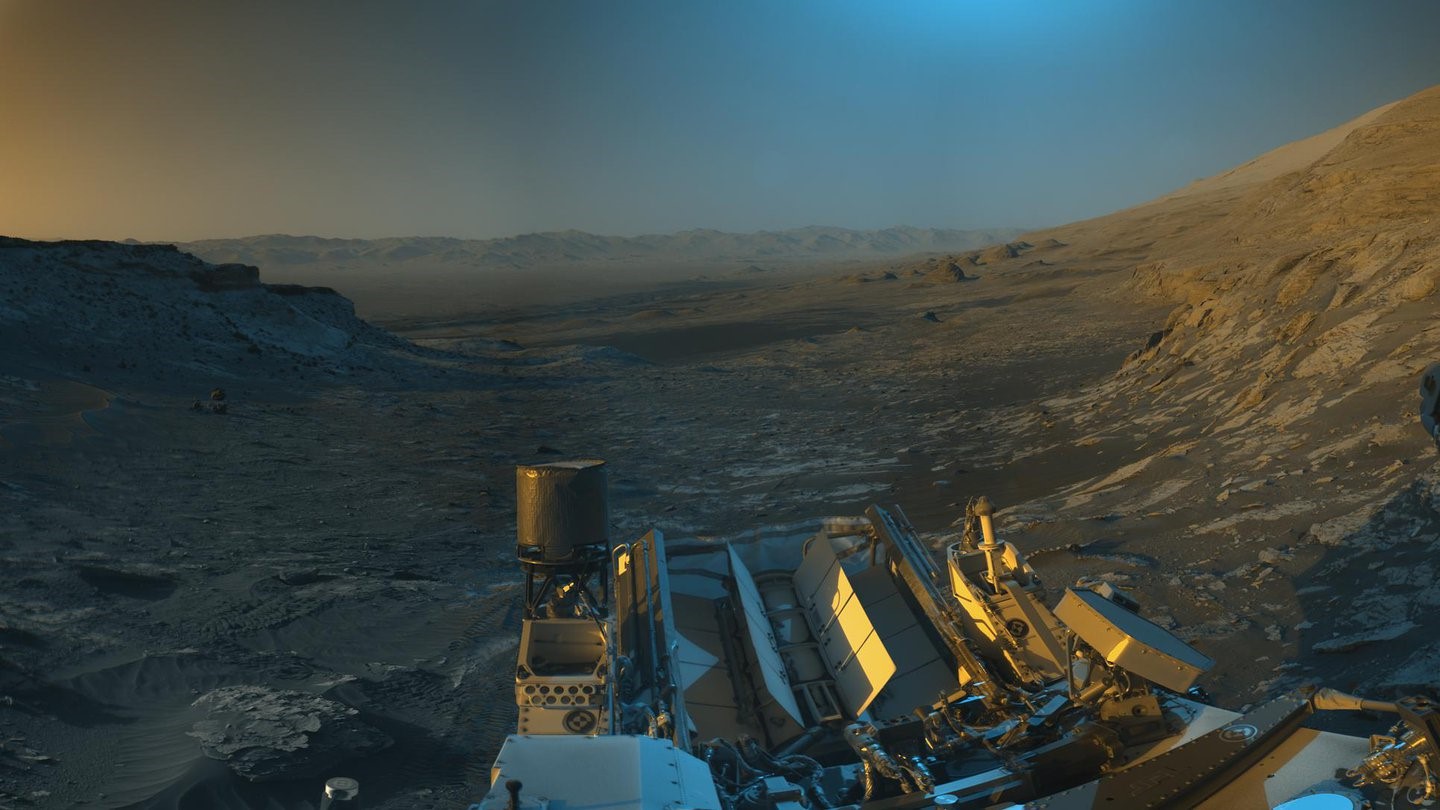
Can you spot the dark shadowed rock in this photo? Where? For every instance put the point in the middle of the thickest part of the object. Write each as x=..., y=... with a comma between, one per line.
x=227, y=277
x=300, y=576
x=1341, y=644
x=268, y=734
x=190, y=320
x=299, y=289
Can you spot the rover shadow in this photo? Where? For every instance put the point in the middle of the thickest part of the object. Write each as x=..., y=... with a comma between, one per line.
x=1370, y=604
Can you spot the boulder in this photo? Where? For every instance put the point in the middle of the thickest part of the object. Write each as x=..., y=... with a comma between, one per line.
x=947, y=273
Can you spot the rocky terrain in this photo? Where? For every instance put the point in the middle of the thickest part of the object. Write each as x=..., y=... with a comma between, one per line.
x=1277, y=402
x=1207, y=400
x=151, y=316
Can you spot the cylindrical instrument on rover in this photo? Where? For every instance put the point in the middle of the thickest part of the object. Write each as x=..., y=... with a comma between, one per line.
x=563, y=511
x=341, y=792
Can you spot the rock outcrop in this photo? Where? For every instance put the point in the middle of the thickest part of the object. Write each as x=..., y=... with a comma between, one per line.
x=266, y=734
x=150, y=314
x=1282, y=385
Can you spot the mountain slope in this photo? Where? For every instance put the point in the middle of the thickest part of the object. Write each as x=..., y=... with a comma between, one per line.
x=1316, y=284
x=1270, y=421
x=1291, y=157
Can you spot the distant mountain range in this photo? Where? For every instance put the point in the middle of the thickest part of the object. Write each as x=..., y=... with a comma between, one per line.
x=569, y=247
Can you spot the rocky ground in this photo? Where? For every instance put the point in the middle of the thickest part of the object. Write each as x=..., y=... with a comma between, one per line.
x=1208, y=400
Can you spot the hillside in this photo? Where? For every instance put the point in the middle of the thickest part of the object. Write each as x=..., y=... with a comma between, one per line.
x=1309, y=293
x=1271, y=418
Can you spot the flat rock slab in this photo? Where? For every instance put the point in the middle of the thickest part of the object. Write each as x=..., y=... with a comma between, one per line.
x=1341, y=644
x=268, y=734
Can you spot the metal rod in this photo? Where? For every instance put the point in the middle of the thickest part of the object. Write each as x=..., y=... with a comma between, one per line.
x=984, y=511
x=918, y=572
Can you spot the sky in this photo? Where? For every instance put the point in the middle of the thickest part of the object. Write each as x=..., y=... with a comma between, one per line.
x=188, y=119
